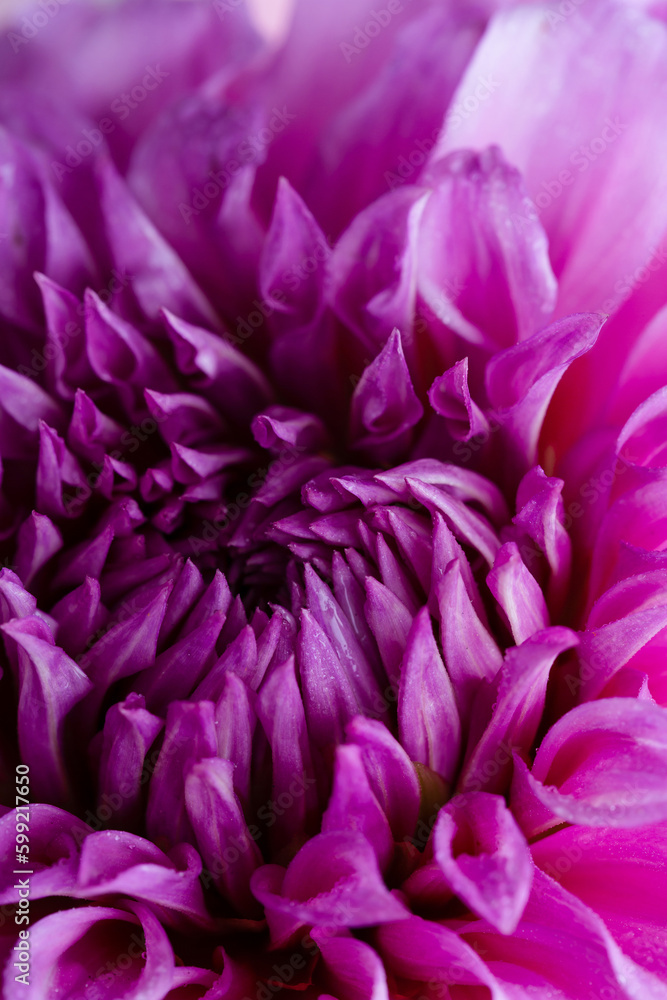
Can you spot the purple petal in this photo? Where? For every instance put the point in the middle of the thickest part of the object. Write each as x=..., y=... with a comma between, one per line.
x=50, y=685
x=384, y=405
x=54, y=842
x=391, y=622
x=517, y=711
x=80, y=616
x=127, y=648
x=603, y=764
x=484, y=858
x=391, y=775
x=294, y=238
x=354, y=970
x=428, y=719
x=450, y=398
x=333, y=880
x=38, y=540
x=329, y=615
x=518, y=593
x=228, y=850
x=353, y=806
x=280, y=710
x=521, y=380
x=159, y=279
x=235, y=721
x=471, y=653
x=329, y=694
x=373, y=268
x=283, y=425
x=129, y=731
x=189, y=736
x=177, y=671
x=218, y=371
x=23, y=405
x=73, y=947
x=240, y=658
x=114, y=862
x=478, y=221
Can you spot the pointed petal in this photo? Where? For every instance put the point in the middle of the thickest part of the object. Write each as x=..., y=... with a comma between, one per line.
x=428, y=719
x=353, y=806
x=220, y=830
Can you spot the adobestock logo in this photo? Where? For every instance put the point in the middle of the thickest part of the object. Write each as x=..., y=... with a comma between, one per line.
x=33, y=23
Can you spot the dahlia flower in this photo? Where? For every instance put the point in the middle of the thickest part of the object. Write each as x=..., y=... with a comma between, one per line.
x=333, y=394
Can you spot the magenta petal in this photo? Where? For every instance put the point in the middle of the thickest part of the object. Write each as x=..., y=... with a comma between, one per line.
x=586, y=951
x=517, y=711
x=424, y=951
x=354, y=970
x=608, y=646
x=329, y=695
x=428, y=719
x=518, y=593
x=391, y=622
x=220, y=373
x=114, y=862
x=471, y=653
x=484, y=858
x=221, y=832
x=580, y=858
x=235, y=720
x=450, y=397
x=50, y=685
x=373, y=300
x=189, y=735
x=333, y=880
x=53, y=847
x=129, y=731
x=177, y=671
x=603, y=764
x=541, y=514
x=72, y=949
x=353, y=806
x=384, y=405
x=38, y=540
x=280, y=711
x=521, y=380
x=479, y=221
x=391, y=774
x=532, y=55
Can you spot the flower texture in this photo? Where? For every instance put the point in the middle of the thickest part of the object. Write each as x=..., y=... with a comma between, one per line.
x=333, y=516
